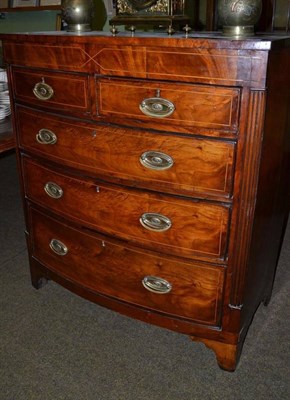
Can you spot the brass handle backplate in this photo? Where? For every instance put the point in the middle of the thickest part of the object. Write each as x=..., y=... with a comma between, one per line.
x=156, y=285
x=157, y=107
x=53, y=190
x=43, y=91
x=45, y=136
x=156, y=160
x=155, y=222
x=58, y=247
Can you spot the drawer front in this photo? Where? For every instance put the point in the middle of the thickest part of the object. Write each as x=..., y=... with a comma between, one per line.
x=182, y=289
x=181, y=227
x=57, y=91
x=222, y=67
x=168, y=106
x=63, y=57
x=163, y=162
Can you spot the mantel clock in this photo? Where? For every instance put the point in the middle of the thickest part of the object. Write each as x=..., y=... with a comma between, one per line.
x=152, y=12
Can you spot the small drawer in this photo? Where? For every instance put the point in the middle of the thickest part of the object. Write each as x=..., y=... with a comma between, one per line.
x=163, y=284
x=168, y=106
x=169, y=224
x=52, y=90
x=174, y=164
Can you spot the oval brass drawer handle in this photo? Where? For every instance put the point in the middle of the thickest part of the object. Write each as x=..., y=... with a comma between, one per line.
x=156, y=285
x=155, y=222
x=157, y=107
x=45, y=136
x=58, y=247
x=43, y=91
x=53, y=190
x=156, y=160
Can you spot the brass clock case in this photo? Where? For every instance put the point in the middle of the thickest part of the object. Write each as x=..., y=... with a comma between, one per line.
x=153, y=12
x=141, y=4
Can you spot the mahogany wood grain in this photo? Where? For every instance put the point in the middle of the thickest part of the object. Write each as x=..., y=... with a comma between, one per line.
x=117, y=211
x=231, y=126
x=195, y=106
x=170, y=64
x=118, y=272
x=227, y=354
x=62, y=57
x=206, y=60
x=203, y=168
x=271, y=216
x=248, y=193
x=70, y=91
x=41, y=274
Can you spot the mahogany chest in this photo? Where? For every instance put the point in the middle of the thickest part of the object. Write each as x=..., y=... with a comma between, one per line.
x=155, y=173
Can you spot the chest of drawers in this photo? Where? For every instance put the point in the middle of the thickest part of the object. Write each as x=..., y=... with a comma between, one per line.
x=155, y=173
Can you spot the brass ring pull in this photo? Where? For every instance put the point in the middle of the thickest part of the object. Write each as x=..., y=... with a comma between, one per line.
x=53, y=190
x=43, y=91
x=156, y=285
x=58, y=247
x=45, y=136
x=156, y=160
x=155, y=222
x=157, y=107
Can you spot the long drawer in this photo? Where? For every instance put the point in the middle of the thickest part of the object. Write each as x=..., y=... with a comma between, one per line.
x=171, y=163
x=183, y=227
x=53, y=90
x=170, y=106
x=116, y=270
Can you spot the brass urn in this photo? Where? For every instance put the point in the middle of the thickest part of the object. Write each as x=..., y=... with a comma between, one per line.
x=77, y=14
x=238, y=17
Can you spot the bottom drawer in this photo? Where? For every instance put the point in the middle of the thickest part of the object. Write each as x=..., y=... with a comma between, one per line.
x=145, y=279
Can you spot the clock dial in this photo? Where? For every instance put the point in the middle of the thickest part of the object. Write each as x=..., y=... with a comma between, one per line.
x=141, y=4
x=161, y=13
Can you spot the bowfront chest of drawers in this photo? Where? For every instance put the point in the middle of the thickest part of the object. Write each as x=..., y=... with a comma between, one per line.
x=155, y=173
